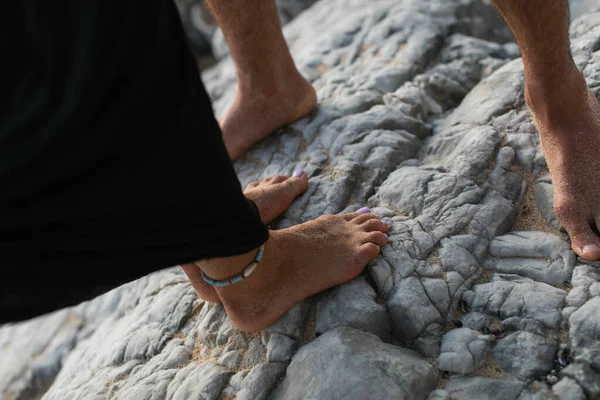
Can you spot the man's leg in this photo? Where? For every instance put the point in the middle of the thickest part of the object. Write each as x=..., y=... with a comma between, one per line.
x=271, y=91
x=567, y=115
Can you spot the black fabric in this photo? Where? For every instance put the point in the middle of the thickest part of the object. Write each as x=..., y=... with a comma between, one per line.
x=111, y=162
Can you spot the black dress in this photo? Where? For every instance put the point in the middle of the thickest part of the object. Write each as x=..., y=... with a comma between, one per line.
x=111, y=162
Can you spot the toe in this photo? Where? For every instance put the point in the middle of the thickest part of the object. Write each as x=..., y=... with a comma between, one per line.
x=295, y=185
x=350, y=216
x=584, y=241
x=252, y=185
x=362, y=218
x=375, y=224
x=586, y=245
x=377, y=237
x=367, y=252
x=277, y=179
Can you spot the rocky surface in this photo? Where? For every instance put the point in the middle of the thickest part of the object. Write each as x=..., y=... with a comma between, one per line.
x=421, y=117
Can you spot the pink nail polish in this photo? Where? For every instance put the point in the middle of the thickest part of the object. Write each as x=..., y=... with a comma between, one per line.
x=364, y=210
x=298, y=173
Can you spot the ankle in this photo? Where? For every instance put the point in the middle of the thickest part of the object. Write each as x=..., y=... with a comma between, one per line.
x=269, y=84
x=551, y=100
x=247, y=302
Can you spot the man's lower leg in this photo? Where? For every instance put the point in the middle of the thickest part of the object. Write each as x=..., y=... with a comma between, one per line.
x=566, y=114
x=271, y=91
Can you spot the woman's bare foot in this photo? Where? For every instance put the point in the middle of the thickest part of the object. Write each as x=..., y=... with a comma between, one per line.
x=272, y=197
x=298, y=262
x=567, y=116
x=258, y=111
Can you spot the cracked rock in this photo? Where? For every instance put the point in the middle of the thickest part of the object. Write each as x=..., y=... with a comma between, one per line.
x=421, y=117
x=510, y=295
x=463, y=350
x=525, y=354
x=344, y=355
x=353, y=304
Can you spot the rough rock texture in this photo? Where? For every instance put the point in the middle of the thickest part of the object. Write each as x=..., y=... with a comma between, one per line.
x=327, y=368
x=421, y=117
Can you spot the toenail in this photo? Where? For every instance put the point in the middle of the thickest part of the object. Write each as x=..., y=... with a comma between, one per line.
x=590, y=247
x=386, y=236
x=364, y=210
x=384, y=222
x=298, y=173
x=378, y=248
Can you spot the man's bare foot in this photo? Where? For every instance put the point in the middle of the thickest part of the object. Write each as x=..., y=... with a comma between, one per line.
x=298, y=262
x=258, y=111
x=567, y=116
x=272, y=197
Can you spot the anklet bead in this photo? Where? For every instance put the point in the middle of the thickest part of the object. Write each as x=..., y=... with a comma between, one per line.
x=246, y=273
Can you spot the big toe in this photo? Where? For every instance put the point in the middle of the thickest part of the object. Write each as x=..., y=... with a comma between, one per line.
x=586, y=245
x=296, y=184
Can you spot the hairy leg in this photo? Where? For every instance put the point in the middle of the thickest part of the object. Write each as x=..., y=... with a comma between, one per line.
x=272, y=197
x=566, y=113
x=271, y=91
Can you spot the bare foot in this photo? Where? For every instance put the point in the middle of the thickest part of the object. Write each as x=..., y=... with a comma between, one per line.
x=257, y=112
x=567, y=116
x=272, y=197
x=298, y=262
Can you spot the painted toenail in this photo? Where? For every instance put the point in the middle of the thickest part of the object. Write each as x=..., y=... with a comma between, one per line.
x=590, y=247
x=364, y=210
x=298, y=173
x=378, y=248
x=384, y=222
x=386, y=236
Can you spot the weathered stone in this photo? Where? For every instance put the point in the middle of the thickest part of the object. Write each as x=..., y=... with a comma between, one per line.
x=585, y=329
x=568, y=389
x=540, y=256
x=481, y=388
x=476, y=320
x=585, y=376
x=261, y=381
x=463, y=350
x=353, y=304
x=422, y=117
x=525, y=354
x=544, y=199
x=510, y=295
x=344, y=355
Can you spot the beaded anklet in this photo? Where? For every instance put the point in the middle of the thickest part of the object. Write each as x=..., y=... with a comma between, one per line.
x=246, y=273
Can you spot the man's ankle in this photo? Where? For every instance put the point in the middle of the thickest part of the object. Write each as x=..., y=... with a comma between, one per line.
x=553, y=99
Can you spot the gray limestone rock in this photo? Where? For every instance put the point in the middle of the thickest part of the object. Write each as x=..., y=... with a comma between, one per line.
x=525, y=354
x=585, y=329
x=463, y=350
x=338, y=361
x=422, y=117
x=585, y=376
x=537, y=255
x=483, y=388
x=544, y=199
x=513, y=296
x=568, y=389
x=476, y=320
x=353, y=304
